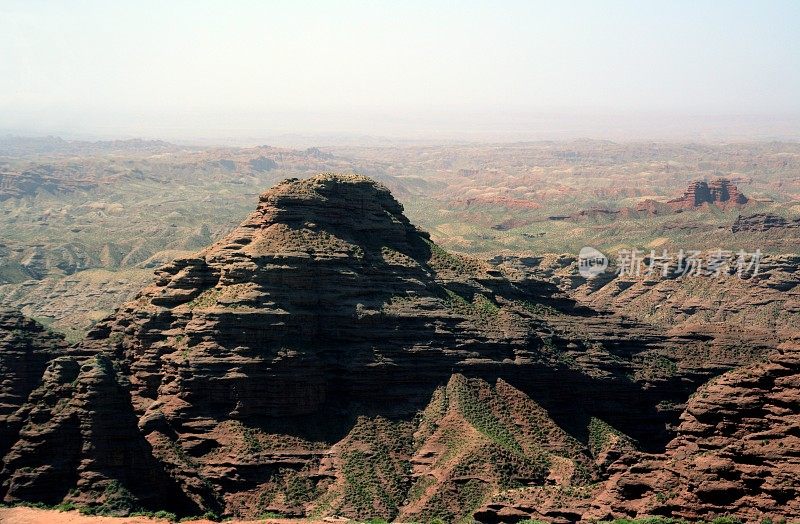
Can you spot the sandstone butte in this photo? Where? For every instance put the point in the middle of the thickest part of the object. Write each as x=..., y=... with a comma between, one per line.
x=719, y=192
x=327, y=359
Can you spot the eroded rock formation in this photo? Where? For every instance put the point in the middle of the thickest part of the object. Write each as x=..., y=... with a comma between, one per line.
x=737, y=451
x=26, y=347
x=327, y=358
x=79, y=442
x=720, y=192
x=763, y=222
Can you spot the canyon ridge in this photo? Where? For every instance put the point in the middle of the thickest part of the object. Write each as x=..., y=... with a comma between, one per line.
x=327, y=358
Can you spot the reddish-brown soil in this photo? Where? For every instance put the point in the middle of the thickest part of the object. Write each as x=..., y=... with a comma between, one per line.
x=23, y=515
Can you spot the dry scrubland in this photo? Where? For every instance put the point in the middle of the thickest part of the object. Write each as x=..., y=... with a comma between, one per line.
x=120, y=209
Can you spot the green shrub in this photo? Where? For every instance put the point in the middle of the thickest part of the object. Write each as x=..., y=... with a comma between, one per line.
x=65, y=506
x=270, y=515
x=726, y=520
x=208, y=515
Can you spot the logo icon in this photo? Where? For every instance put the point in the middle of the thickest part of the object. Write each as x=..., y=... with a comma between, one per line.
x=591, y=262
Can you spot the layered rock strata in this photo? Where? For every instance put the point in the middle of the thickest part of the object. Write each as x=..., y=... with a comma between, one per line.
x=720, y=192
x=26, y=347
x=737, y=452
x=281, y=366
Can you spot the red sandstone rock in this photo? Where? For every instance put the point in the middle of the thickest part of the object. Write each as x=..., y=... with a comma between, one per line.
x=25, y=349
x=276, y=368
x=720, y=192
x=737, y=452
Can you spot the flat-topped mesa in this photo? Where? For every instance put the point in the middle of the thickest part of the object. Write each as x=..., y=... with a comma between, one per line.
x=720, y=192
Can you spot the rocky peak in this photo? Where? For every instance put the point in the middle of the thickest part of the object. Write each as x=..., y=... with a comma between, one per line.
x=307, y=215
x=326, y=277
x=348, y=191
x=723, y=190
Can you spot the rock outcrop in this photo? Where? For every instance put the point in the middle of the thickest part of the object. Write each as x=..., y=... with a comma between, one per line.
x=325, y=305
x=326, y=357
x=761, y=222
x=80, y=443
x=720, y=192
x=737, y=452
x=26, y=347
x=740, y=312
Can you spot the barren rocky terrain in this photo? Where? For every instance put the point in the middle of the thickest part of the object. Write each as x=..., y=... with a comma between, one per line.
x=86, y=223
x=334, y=355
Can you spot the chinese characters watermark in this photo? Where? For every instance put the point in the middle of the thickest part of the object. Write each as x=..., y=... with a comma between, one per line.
x=665, y=264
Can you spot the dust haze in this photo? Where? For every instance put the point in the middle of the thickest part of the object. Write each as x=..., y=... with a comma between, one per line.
x=350, y=72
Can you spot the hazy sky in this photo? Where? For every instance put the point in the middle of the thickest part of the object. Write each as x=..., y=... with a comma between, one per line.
x=239, y=69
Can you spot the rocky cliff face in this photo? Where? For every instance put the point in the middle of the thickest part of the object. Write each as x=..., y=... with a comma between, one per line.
x=79, y=443
x=472, y=440
x=325, y=305
x=720, y=192
x=25, y=349
x=737, y=451
x=305, y=364
x=754, y=310
x=763, y=222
